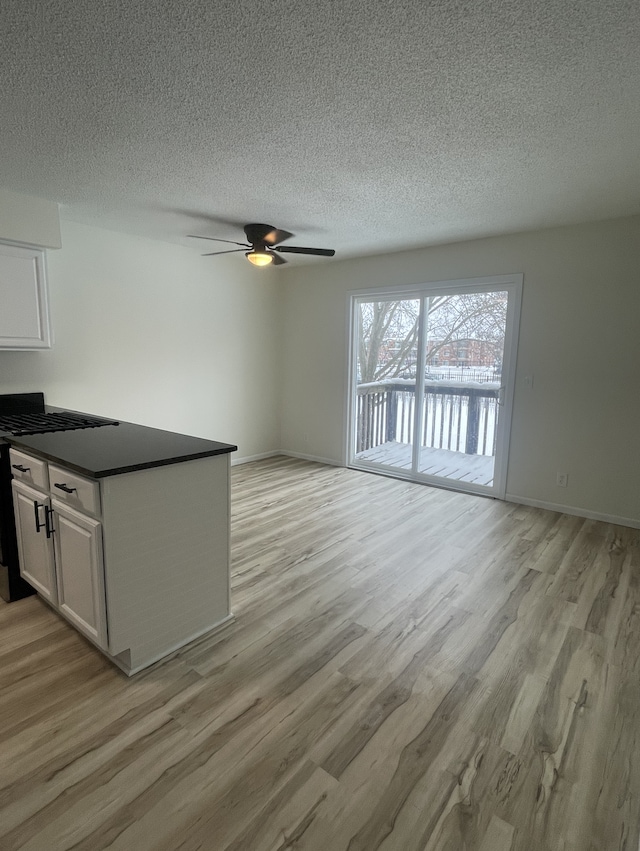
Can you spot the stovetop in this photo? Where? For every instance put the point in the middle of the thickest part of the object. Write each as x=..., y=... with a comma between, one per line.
x=23, y=414
x=40, y=422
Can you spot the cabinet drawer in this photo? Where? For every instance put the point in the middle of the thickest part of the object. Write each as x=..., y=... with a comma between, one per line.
x=83, y=494
x=28, y=469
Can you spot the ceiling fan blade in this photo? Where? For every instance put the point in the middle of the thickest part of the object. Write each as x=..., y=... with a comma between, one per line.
x=297, y=249
x=277, y=260
x=276, y=236
x=265, y=233
x=230, y=251
x=215, y=239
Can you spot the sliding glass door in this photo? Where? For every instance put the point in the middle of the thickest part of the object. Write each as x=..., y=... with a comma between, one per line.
x=432, y=381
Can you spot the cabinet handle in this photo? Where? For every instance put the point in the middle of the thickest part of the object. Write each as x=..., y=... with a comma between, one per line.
x=36, y=510
x=48, y=521
x=21, y=468
x=64, y=488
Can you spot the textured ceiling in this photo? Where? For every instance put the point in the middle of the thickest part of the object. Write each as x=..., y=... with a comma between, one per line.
x=362, y=125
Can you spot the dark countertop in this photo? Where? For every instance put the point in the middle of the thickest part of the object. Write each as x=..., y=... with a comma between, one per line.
x=115, y=449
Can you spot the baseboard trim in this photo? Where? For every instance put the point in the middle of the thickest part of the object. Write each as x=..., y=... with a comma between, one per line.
x=577, y=512
x=247, y=459
x=304, y=457
x=165, y=655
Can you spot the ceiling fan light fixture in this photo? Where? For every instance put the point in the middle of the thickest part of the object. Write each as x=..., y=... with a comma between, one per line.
x=259, y=258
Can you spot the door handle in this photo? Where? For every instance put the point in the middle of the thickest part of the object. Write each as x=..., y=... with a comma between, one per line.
x=36, y=510
x=501, y=396
x=48, y=521
x=21, y=468
x=64, y=487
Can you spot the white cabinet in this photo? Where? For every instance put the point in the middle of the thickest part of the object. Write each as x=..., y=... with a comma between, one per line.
x=60, y=548
x=35, y=547
x=24, y=309
x=138, y=561
x=79, y=571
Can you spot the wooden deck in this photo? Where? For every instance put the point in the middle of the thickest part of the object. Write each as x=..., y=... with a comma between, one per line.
x=444, y=463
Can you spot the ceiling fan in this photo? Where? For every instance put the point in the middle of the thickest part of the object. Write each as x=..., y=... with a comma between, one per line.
x=263, y=241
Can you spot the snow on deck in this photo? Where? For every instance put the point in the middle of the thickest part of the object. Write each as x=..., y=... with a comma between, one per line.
x=443, y=463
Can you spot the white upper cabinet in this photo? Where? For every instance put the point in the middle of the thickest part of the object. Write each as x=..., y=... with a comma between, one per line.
x=24, y=308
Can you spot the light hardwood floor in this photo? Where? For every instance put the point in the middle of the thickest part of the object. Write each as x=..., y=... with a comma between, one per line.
x=411, y=670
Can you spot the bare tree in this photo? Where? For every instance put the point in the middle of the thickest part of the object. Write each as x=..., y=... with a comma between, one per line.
x=388, y=334
x=388, y=330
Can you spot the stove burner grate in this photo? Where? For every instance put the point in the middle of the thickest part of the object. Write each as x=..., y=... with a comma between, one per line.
x=20, y=425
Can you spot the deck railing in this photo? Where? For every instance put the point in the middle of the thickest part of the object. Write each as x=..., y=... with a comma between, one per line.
x=456, y=415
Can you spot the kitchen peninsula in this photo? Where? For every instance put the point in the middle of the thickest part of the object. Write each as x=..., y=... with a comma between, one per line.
x=124, y=530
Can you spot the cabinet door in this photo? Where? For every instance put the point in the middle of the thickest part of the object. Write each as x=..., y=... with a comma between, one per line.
x=79, y=568
x=35, y=549
x=24, y=318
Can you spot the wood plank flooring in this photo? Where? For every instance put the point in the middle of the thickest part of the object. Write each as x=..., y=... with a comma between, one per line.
x=411, y=669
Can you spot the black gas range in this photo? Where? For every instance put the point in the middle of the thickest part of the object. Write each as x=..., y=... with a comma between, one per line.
x=24, y=414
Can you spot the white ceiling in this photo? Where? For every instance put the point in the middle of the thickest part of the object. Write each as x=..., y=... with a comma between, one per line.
x=359, y=125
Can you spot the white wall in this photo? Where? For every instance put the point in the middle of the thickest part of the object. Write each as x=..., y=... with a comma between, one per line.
x=29, y=220
x=579, y=337
x=155, y=334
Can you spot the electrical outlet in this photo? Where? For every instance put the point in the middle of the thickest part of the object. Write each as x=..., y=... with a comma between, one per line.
x=562, y=479
x=528, y=381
